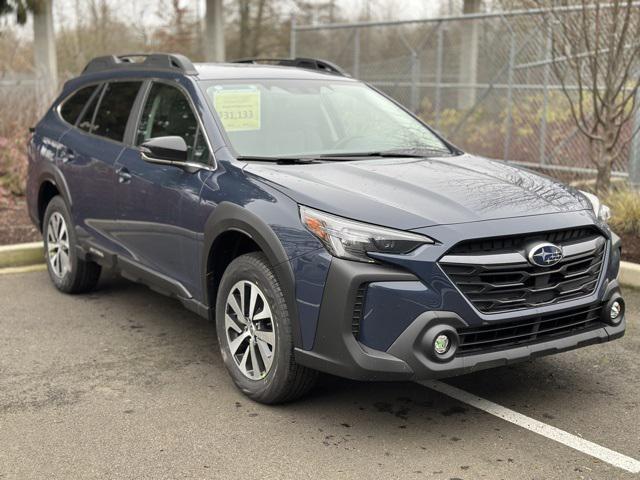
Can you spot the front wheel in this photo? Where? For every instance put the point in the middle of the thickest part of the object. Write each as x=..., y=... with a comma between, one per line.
x=68, y=273
x=255, y=335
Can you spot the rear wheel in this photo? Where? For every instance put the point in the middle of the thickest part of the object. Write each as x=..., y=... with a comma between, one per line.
x=254, y=333
x=68, y=273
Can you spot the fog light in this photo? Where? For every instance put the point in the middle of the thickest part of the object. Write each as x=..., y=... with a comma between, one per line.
x=441, y=344
x=614, y=313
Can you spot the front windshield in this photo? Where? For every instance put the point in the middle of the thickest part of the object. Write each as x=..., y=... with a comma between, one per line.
x=292, y=118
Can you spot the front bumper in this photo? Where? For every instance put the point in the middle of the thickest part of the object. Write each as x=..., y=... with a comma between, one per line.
x=336, y=349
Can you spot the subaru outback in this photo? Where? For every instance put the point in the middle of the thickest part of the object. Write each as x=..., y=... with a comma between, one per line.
x=321, y=225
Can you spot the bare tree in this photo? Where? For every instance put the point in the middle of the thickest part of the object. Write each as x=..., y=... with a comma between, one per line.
x=257, y=29
x=244, y=16
x=596, y=58
x=45, y=60
x=179, y=29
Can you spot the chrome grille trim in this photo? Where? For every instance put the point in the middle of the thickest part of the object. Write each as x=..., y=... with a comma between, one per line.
x=568, y=250
x=491, y=259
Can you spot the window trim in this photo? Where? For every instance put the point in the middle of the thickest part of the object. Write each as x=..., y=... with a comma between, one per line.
x=211, y=166
x=97, y=96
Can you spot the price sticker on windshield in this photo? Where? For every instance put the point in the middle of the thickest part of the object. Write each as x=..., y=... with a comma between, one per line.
x=239, y=110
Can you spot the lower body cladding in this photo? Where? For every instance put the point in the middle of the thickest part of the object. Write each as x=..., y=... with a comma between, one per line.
x=381, y=323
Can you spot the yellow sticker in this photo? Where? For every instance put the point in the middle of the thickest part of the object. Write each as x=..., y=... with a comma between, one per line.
x=238, y=109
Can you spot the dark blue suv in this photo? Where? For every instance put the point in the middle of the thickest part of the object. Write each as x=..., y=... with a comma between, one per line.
x=322, y=226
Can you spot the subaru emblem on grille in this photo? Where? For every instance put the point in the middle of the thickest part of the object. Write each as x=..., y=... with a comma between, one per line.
x=545, y=254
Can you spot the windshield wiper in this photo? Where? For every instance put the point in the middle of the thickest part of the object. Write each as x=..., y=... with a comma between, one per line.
x=279, y=160
x=397, y=153
x=315, y=158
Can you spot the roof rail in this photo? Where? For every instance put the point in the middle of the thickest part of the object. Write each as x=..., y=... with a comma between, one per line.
x=150, y=61
x=299, y=62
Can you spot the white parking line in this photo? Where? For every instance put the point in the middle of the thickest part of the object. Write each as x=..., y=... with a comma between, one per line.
x=585, y=446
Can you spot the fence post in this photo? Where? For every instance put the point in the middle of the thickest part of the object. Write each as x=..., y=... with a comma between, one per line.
x=508, y=119
x=356, y=53
x=468, y=76
x=293, y=38
x=439, y=49
x=634, y=159
x=545, y=98
x=415, y=79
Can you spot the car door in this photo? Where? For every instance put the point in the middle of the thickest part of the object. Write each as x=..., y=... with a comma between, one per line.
x=154, y=201
x=88, y=158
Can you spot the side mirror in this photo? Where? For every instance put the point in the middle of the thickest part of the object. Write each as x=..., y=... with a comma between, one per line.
x=164, y=150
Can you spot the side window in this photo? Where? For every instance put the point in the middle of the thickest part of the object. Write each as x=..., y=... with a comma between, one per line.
x=72, y=107
x=114, y=109
x=167, y=112
x=84, y=123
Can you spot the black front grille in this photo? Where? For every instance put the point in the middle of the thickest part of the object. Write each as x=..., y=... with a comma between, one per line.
x=358, y=310
x=512, y=334
x=494, y=288
x=518, y=242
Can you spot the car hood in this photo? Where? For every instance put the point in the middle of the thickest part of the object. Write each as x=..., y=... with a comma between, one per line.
x=410, y=193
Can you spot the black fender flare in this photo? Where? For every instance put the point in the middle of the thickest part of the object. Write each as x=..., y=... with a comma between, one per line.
x=53, y=175
x=232, y=217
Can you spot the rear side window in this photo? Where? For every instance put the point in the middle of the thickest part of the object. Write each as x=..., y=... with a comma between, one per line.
x=114, y=109
x=71, y=109
x=84, y=123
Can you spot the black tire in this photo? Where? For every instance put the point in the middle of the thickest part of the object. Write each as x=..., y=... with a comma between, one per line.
x=285, y=380
x=80, y=276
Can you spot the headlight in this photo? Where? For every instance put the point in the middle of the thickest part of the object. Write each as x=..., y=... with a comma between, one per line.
x=602, y=211
x=353, y=240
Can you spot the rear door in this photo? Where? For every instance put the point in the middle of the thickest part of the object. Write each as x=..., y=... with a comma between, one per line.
x=156, y=202
x=88, y=157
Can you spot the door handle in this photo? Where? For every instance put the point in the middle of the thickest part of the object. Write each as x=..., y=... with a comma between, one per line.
x=124, y=176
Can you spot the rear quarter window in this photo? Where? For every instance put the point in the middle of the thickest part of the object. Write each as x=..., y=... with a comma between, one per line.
x=114, y=109
x=72, y=107
x=84, y=123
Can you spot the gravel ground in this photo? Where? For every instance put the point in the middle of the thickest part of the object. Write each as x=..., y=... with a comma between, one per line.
x=125, y=383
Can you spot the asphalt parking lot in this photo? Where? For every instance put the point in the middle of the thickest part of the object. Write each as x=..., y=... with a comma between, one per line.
x=125, y=383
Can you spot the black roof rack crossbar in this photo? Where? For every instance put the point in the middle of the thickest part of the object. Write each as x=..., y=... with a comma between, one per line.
x=299, y=62
x=151, y=61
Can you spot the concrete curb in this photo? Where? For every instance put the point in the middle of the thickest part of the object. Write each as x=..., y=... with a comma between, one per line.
x=21, y=255
x=12, y=257
x=629, y=274
x=41, y=267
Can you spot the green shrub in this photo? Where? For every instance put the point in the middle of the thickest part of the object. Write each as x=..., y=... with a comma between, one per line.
x=625, y=208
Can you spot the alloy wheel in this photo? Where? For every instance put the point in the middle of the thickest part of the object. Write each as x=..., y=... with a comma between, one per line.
x=58, y=245
x=250, y=330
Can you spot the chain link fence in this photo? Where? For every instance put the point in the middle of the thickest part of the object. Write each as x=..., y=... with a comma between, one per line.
x=484, y=80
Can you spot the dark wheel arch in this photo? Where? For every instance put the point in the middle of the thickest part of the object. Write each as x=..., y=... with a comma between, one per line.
x=46, y=193
x=231, y=219
x=50, y=184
